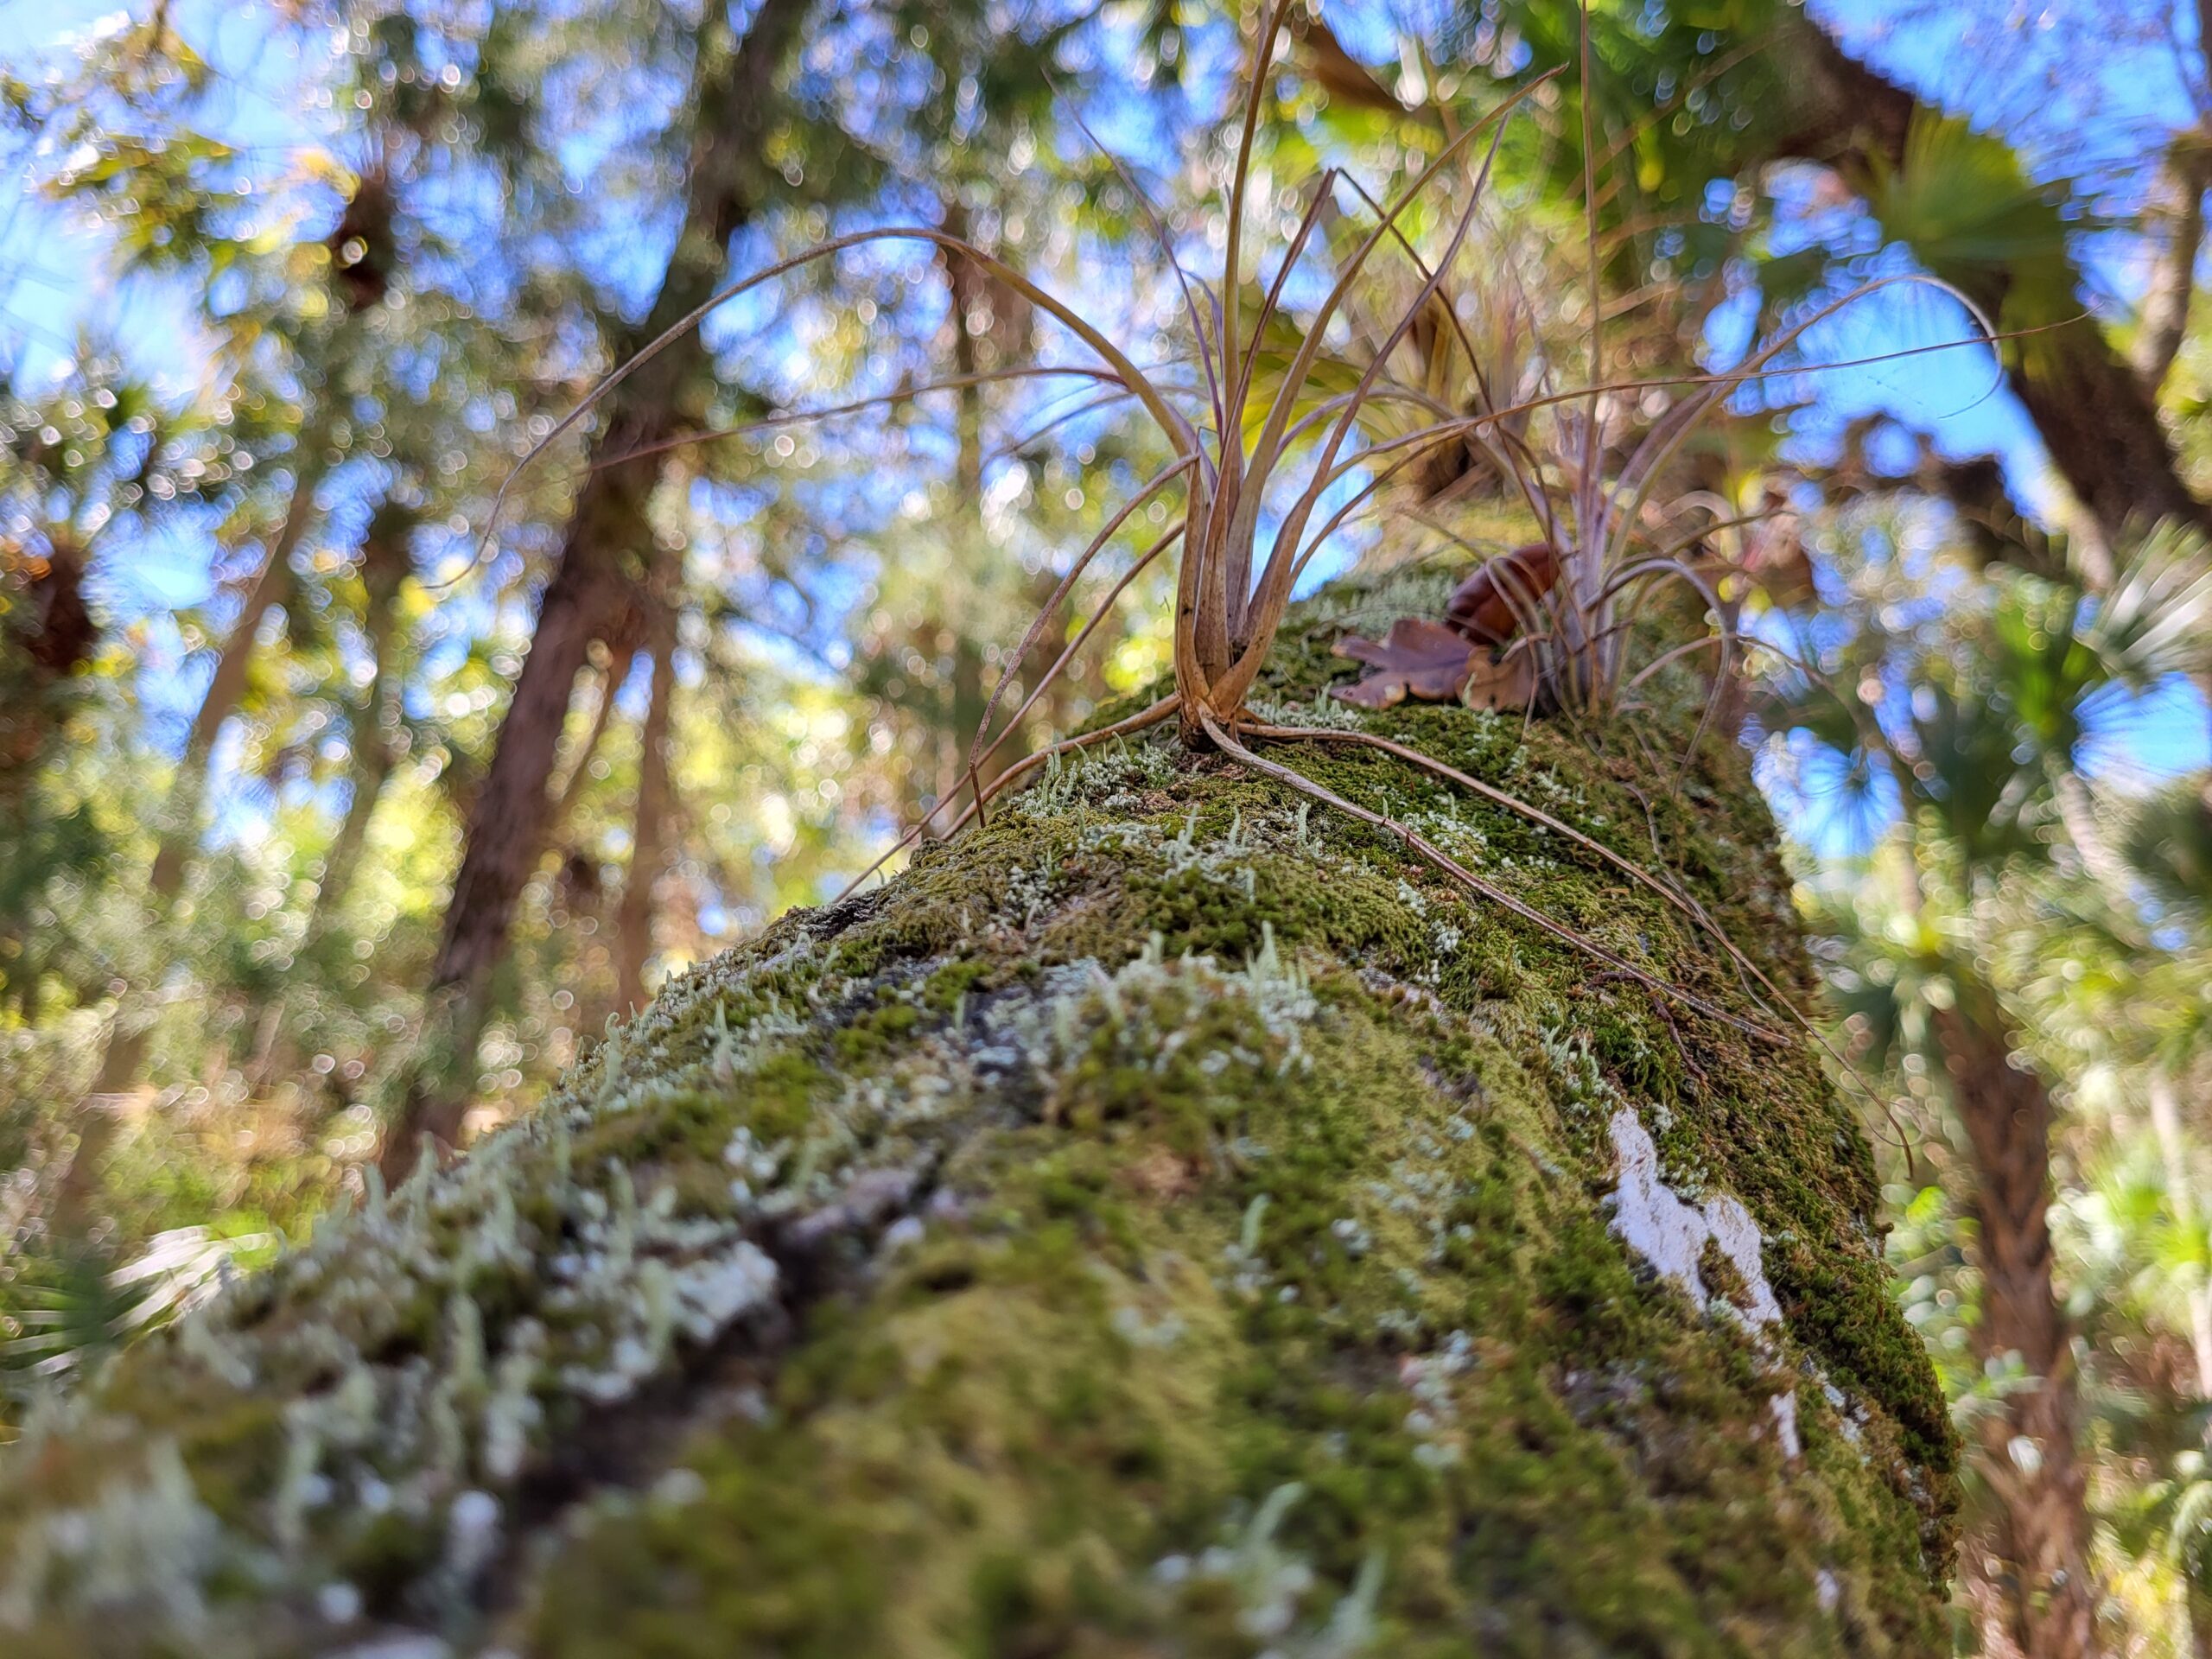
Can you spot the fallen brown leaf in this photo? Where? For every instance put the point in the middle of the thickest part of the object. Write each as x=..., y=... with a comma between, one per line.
x=1510, y=683
x=1490, y=605
x=1417, y=658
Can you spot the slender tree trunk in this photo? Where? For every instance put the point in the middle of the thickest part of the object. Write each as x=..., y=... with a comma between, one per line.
x=506, y=829
x=604, y=560
x=1168, y=1221
x=2032, y=1569
x=374, y=746
x=272, y=587
x=634, y=917
x=376, y=726
x=579, y=778
x=2179, y=212
x=969, y=292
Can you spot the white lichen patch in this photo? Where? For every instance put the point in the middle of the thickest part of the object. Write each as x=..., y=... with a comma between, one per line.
x=1671, y=1235
x=1785, y=1408
x=1150, y=1004
x=1321, y=713
x=1850, y=1416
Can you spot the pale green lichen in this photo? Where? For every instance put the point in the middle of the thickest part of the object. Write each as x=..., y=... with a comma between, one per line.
x=1169, y=1218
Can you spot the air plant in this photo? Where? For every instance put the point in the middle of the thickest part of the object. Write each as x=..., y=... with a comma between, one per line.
x=1267, y=418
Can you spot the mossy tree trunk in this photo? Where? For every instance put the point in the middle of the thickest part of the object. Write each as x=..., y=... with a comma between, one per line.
x=1168, y=1220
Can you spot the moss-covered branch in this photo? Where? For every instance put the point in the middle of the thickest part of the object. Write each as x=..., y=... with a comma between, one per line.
x=1167, y=1220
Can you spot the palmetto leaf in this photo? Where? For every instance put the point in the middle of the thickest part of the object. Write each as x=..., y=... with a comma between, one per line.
x=2168, y=845
x=61, y=1308
x=1960, y=198
x=2157, y=619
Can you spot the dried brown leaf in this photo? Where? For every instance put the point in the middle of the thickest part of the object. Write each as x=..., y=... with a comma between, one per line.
x=1490, y=605
x=1507, y=683
x=1417, y=658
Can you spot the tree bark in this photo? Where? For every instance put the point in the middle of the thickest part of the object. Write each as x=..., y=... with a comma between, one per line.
x=1167, y=1220
x=2178, y=215
x=2031, y=1570
x=605, y=558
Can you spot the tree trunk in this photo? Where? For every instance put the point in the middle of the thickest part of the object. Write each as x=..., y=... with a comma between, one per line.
x=1166, y=1220
x=2100, y=424
x=234, y=662
x=384, y=563
x=606, y=558
x=634, y=917
x=2029, y=1572
x=2179, y=211
x=579, y=778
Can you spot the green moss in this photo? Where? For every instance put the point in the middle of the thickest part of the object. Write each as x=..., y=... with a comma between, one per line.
x=1600, y=1471
x=977, y=1454
x=943, y=990
x=870, y=1035
x=1186, y=1218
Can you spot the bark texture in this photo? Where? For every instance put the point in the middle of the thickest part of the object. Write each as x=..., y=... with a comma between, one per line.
x=2029, y=1567
x=1168, y=1220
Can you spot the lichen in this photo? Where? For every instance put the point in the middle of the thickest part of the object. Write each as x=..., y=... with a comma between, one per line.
x=1169, y=1218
